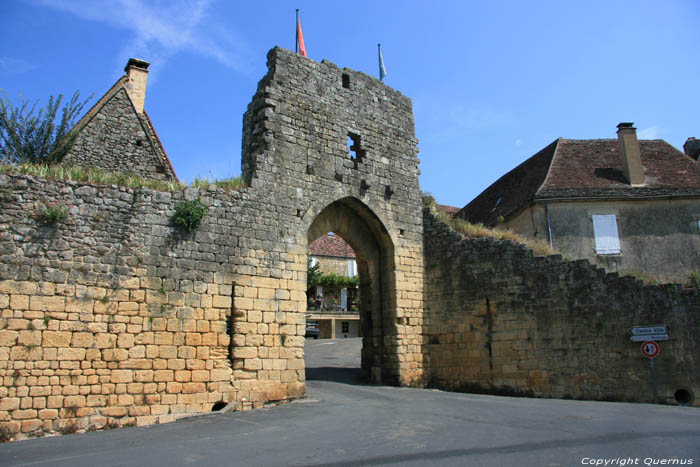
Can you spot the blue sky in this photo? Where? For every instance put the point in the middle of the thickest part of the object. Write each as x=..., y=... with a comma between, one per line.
x=492, y=82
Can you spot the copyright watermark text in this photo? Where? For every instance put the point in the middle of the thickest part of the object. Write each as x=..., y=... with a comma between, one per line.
x=622, y=461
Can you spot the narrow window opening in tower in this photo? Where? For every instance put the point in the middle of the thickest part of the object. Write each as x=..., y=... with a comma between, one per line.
x=346, y=81
x=355, y=150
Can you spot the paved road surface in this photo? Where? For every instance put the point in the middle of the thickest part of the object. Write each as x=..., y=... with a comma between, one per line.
x=346, y=423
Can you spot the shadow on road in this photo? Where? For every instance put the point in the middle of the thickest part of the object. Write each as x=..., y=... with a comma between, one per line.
x=352, y=376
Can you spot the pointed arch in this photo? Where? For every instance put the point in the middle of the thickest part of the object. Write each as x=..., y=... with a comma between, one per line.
x=351, y=219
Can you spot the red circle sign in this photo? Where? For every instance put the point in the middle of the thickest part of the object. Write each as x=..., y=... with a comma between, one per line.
x=650, y=349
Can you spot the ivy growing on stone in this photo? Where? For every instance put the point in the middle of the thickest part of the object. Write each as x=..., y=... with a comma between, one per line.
x=188, y=215
x=333, y=281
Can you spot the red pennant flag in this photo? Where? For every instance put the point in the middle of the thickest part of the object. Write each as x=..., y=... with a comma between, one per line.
x=300, y=39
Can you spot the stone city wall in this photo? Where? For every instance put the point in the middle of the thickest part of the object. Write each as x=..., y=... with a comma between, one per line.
x=500, y=320
x=112, y=317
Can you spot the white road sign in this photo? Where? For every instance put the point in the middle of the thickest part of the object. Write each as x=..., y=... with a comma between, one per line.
x=647, y=330
x=649, y=337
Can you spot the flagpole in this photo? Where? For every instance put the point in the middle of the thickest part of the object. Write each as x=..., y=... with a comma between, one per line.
x=379, y=55
x=296, y=35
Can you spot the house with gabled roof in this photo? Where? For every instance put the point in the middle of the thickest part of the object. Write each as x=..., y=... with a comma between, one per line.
x=628, y=205
x=334, y=311
x=116, y=134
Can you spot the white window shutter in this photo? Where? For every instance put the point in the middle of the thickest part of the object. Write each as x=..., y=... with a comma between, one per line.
x=351, y=268
x=607, y=240
x=344, y=299
x=314, y=261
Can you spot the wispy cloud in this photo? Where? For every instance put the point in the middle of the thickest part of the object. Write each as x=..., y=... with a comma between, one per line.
x=14, y=66
x=653, y=132
x=158, y=30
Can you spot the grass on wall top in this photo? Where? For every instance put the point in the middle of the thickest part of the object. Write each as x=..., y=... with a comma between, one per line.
x=100, y=177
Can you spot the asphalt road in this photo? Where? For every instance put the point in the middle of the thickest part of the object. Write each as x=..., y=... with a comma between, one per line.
x=344, y=422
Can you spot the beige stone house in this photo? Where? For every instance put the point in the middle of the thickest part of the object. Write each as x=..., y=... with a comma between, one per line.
x=336, y=311
x=628, y=205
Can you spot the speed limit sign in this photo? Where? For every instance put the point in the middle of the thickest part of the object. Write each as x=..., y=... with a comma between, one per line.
x=650, y=349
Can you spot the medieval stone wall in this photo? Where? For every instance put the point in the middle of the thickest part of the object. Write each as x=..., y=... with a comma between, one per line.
x=111, y=316
x=499, y=319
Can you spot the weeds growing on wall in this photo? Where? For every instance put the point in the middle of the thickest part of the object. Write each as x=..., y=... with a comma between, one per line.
x=188, y=214
x=51, y=214
x=100, y=177
x=539, y=247
x=232, y=183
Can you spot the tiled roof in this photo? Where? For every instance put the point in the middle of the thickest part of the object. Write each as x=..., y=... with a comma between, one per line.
x=451, y=210
x=585, y=169
x=513, y=190
x=331, y=245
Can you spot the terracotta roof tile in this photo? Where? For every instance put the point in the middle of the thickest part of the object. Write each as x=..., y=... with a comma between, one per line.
x=585, y=169
x=511, y=191
x=331, y=245
x=451, y=210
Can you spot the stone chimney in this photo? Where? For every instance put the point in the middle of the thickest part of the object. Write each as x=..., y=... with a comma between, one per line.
x=692, y=148
x=629, y=152
x=136, y=72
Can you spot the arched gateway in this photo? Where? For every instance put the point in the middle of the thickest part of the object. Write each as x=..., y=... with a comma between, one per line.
x=365, y=233
x=326, y=149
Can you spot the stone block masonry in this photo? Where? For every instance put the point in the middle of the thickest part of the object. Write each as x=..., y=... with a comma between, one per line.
x=109, y=318
x=499, y=320
x=113, y=317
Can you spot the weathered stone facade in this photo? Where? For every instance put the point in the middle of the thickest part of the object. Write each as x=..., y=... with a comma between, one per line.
x=500, y=320
x=659, y=238
x=114, y=317
x=111, y=316
x=117, y=136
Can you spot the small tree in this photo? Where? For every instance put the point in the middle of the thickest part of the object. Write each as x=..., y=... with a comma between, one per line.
x=313, y=273
x=26, y=137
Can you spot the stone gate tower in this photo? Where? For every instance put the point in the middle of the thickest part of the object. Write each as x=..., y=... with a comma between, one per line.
x=329, y=149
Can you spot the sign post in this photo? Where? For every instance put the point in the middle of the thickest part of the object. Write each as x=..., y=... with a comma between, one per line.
x=650, y=349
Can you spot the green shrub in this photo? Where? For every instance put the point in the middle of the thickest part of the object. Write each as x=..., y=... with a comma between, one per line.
x=43, y=137
x=188, y=214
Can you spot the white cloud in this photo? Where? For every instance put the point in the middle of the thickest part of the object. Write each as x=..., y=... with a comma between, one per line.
x=653, y=132
x=517, y=142
x=161, y=29
x=14, y=66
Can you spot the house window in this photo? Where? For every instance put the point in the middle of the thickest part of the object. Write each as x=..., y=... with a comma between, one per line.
x=345, y=326
x=607, y=241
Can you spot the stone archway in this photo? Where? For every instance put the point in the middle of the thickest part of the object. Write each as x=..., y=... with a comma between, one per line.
x=365, y=233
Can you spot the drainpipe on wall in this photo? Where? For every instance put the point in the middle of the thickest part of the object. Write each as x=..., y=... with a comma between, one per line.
x=549, y=227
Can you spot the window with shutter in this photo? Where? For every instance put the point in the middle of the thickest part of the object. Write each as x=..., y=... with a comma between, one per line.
x=607, y=241
x=352, y=268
